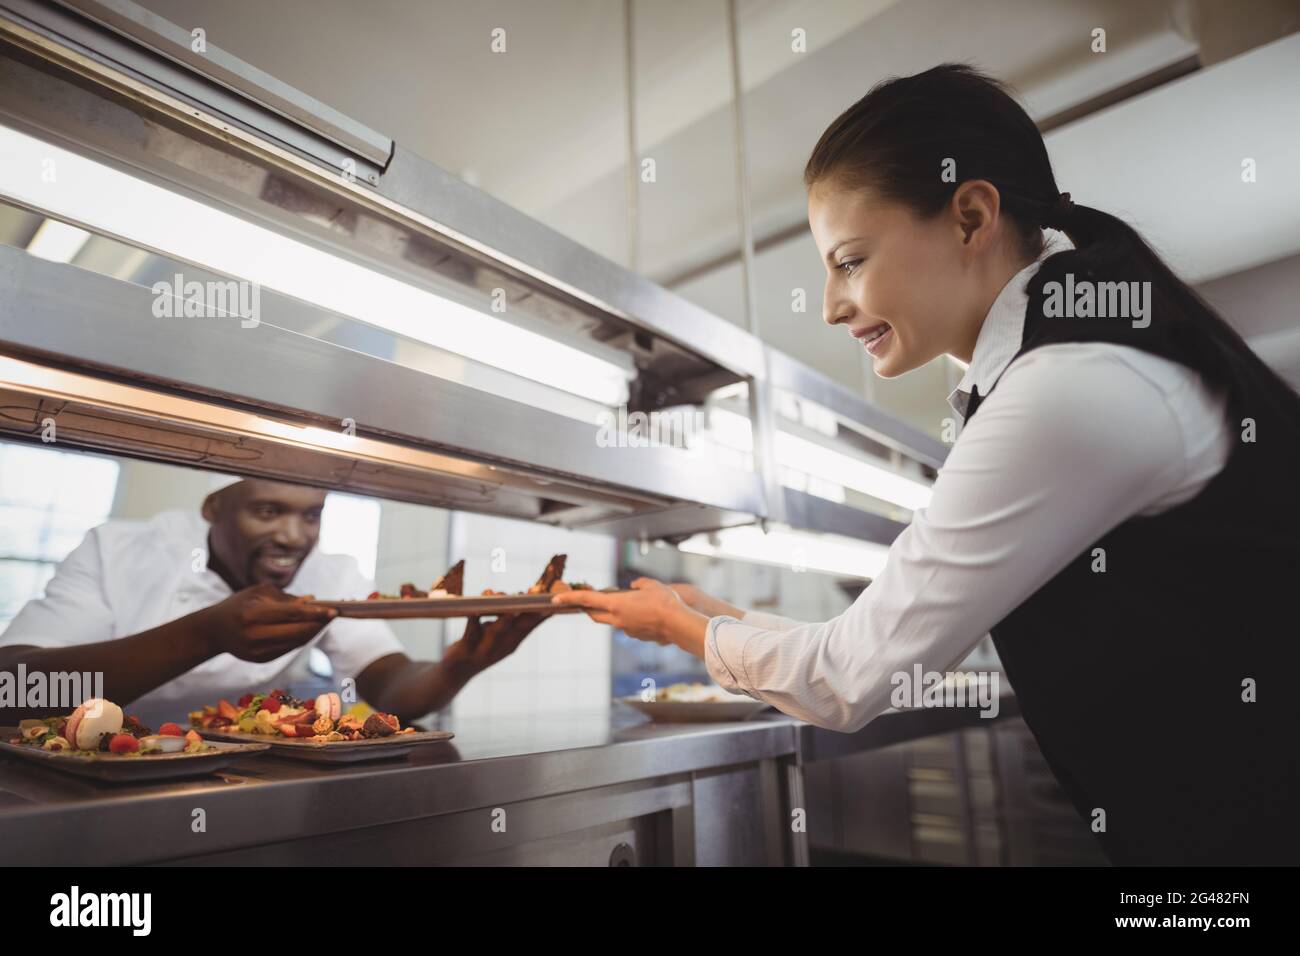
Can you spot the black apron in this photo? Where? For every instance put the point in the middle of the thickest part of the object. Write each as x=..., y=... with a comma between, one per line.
x=1132, y=680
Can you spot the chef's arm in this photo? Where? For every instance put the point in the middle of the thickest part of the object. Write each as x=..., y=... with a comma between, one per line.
x=257, y=624
x=395, y=684
x=410, y=689
x=131, y=666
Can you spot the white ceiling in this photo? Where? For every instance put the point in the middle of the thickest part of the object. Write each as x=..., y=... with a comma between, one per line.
x=1170, y=163
x=543, y=126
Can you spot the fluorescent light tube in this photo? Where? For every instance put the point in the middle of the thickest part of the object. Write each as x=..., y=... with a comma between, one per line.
x=141, y=213
x=814, y=459
x=793, y=550
x=57, y=241
x=870, y=479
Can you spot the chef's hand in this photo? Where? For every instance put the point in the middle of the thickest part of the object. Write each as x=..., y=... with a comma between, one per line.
x=261, y=623
x=483, y=645
x=651, y=611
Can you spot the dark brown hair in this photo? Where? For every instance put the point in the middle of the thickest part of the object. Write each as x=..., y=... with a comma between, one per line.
x=899, y=138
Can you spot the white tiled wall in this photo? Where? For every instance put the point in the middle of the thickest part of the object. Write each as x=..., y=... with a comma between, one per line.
x=413, y=547
x=564, y=665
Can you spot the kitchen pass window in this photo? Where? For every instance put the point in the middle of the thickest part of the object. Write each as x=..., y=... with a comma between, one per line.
x=48, y=501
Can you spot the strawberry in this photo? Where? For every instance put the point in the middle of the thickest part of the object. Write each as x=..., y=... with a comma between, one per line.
x=171, y=730
x=123, y=744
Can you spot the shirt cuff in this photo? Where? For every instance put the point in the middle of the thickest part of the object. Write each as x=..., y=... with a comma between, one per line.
x=724, y=653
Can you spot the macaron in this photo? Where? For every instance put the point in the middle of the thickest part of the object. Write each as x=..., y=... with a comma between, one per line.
x=329, y=705
x=90, y=721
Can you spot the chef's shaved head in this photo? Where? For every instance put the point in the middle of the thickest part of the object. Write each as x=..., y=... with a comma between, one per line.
x=261, y=530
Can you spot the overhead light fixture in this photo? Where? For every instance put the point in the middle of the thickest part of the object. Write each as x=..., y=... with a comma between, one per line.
x=793, y=550
x=57, y=241
x=819, y=461
x=144, y=214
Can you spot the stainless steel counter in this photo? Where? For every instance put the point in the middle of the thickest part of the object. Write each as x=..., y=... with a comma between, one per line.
x=595, y=788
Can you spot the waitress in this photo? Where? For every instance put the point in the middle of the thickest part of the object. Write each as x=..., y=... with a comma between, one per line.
x=1121, y=513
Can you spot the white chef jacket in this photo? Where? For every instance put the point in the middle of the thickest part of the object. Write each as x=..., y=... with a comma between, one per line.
x=130, y=576
x=1077, y=438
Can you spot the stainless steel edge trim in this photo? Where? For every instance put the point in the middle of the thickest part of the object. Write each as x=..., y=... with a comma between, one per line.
x=71, y=40
x=170, y=40
x=811, y=513
x=483, y=222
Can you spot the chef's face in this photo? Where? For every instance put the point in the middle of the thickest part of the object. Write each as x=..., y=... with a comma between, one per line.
x=262, y=530
x=889, y=269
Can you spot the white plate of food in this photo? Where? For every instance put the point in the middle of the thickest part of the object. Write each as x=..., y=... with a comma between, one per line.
x=694, y=703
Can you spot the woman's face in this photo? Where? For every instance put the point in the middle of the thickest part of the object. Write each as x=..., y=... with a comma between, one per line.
x=889, y=270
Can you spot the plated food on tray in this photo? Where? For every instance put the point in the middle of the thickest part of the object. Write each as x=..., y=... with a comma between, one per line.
x=98, y=740
x=279, y=714
x=99, y=728
x=318, y=730
x=445, y=598
x=451, y=584
x=697, y=702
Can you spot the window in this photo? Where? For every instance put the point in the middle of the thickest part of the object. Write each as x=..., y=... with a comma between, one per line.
x=350, y=525
x=48, y=501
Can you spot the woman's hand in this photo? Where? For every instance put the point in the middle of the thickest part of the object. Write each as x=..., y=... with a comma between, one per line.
x=706, y=604
x=651, y=611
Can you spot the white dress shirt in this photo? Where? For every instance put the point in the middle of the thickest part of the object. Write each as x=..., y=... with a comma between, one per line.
x=130, y=576
x=1076, y=439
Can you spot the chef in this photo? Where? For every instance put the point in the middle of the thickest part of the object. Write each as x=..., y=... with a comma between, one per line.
x=191, y=606
x=1119, y=510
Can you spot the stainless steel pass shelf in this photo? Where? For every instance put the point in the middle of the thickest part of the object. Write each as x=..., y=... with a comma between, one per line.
x=567, y=787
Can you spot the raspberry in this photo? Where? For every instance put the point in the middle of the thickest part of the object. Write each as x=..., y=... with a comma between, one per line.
x=272, y=704
x=171, y=730
x=245, y=701
x=123, y=744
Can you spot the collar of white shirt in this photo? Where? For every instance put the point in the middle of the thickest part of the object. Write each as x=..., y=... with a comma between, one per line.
x=185, y=535
x=1003, y=329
